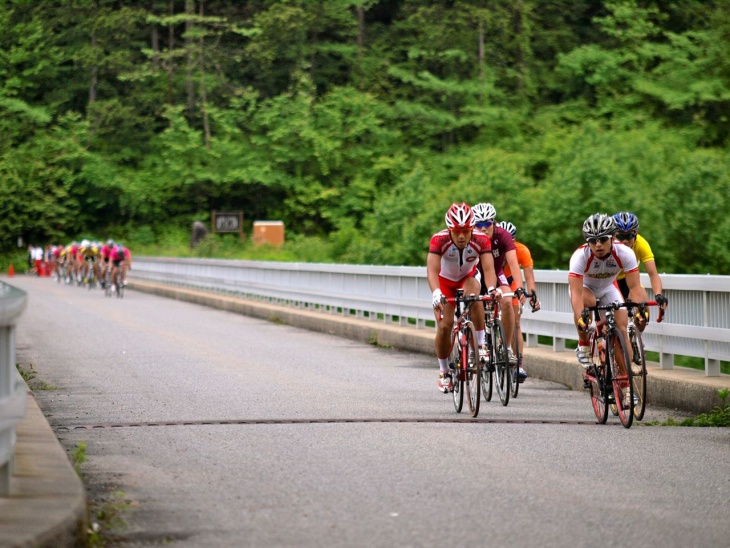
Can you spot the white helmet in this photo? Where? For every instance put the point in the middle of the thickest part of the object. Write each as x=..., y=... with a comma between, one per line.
x=509, y=227
x=85, y=243
x=484, y=212
x=597, y=225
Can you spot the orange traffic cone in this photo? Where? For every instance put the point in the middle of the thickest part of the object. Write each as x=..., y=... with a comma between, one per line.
x=11, y=271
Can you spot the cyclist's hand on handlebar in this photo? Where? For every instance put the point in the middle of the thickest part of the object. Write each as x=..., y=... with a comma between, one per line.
x=438, y=299
x=584, y=321
x=661, y=300
x=494, y=292
x=520, y=294
x=534, y=303
x=642, y=316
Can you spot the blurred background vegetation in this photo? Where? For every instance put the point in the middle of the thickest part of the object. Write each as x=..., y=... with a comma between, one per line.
x=358, y=122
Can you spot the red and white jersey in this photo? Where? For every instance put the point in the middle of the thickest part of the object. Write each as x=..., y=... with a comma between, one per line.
x=457, y=264
x=600, y=273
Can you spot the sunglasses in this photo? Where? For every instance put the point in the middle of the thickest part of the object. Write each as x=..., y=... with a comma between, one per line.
x=460, y=231
x=485, y=224
x=601, y=239
x=622, y=236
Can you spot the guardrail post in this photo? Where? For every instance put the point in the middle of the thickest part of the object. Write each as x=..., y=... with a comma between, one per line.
x=12, y=387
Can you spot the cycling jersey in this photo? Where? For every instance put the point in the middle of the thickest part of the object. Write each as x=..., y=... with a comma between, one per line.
x=457, y=264
x=89, y=252
x=120, y=253
x=642, y=250
x=502, y=242
x=598, y=274
x=524, y=259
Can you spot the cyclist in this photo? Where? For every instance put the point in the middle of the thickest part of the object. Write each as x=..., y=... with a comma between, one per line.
x=453, y=255
x=105, y=253
x=121, y=258
x=88, y=252
x=72, y=251
x=524, y=260
x=593, y=270
x=504, y=252
x=627, y=232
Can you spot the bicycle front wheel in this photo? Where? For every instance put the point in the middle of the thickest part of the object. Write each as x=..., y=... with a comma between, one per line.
x=514, y=368
x=501, y=362
x=471, y=366
x=621, y=375
x=455, y=363
x=596, y=376
x=638, y=379
x=486, y=372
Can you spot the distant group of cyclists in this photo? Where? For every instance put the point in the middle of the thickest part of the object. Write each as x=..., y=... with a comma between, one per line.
x=88, y=262
x=480, y=256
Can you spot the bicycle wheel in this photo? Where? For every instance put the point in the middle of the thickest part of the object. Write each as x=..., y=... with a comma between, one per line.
x=596, y=376
x=108, y=283
x=501, y=363
x=455, y=362
x=471, y=367
x=486, y=372
x=621, y=375
x=514, y=368
x=638, y=378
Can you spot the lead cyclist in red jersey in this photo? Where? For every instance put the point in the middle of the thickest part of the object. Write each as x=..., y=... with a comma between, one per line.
x=453, y=256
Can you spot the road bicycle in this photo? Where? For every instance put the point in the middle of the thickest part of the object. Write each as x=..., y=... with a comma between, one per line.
x=111, y=285
x=639, y=357
x=609, y=376
x=515, y=367
x=497, y=372
x=464, y=362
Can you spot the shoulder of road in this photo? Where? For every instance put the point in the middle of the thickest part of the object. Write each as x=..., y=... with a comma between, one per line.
x=47, y=502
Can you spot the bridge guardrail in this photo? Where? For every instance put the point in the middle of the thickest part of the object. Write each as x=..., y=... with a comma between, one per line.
x=697, y=322
x=12, y=386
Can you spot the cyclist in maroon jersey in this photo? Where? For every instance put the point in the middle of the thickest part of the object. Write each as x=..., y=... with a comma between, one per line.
x=453, y=256
x=504, y=251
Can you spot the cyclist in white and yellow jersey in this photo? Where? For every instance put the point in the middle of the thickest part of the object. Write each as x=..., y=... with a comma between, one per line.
x=627, y=232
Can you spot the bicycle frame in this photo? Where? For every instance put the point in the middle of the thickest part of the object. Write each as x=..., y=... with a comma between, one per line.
x=499, y=367
x=464, y=355
x=611, y=366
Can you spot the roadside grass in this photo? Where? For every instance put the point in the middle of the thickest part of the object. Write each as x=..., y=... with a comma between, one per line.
x=107, y=515
x=29, y=376
x=718, y=417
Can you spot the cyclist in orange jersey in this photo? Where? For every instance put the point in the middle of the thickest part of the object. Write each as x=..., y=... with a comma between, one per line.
x=524, y=259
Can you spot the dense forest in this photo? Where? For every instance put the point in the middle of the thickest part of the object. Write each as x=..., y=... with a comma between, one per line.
x=358, y=122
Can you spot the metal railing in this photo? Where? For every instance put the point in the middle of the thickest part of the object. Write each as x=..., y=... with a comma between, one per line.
x=12, y=387
x=697, y=322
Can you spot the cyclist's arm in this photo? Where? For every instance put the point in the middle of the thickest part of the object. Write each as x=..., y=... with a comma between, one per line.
x=656, y=281
x=511, y=259
x=575, y=283
x=636, y=291
x=530, y=279
x=487, y=262
x=433, y=267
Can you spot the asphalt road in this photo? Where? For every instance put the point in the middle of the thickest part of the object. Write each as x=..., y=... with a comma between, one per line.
x=277, y=436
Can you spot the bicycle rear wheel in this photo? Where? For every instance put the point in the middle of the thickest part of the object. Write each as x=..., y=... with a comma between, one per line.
x=638, y=379
x=501, y=363
x=471, y=367
x=621, y=376
x=455, y=361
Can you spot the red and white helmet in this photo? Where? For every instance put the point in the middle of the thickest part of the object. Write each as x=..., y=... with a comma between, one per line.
x=460, y=216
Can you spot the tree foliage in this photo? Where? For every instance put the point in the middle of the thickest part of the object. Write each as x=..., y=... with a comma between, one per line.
x=357, y=122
